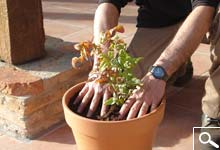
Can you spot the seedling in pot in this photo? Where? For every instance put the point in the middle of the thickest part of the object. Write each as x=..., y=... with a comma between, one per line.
x=114, y=68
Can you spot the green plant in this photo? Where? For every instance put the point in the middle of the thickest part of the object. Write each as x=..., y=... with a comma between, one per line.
x=114, y=68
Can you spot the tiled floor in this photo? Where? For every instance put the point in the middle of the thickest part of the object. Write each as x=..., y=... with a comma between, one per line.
x=72, y=21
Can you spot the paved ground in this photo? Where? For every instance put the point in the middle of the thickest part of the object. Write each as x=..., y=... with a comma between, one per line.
x=72, y=21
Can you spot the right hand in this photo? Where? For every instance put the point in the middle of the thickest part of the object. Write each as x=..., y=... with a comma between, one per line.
x=91, y=94
x=94, y=91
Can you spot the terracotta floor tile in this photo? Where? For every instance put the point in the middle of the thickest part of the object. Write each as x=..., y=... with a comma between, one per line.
x=130, y=10
x=176, y=130
x=60, y=139
x=130, y=30
x=128, y=15
x=54, y=12
x=78, y=14
x=83, y=35
x=172, y=90
x=190, y=96
x=127, y=19
x=81, y=20
x=204, y=48
x=55, y=8
x=57, y=29
x=201, y=63
x=128, y=40
x=79, y=5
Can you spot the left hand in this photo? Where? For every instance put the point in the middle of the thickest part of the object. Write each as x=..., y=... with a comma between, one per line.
x=147, y=97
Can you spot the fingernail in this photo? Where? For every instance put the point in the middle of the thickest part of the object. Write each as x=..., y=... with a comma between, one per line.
x=89, y=114
x=152, y=108
x=102, y=113
x=120, y=117
x=74, y=103
x=79, y=110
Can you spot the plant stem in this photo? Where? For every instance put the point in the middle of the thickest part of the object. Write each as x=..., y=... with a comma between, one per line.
x=111, y=111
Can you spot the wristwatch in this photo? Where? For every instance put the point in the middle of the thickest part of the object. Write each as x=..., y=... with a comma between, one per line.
x=159, y=72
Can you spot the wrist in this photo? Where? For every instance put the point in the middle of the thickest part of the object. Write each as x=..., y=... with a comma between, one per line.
x=150, y=78
x=166, y=65
x=93, y=75
x=96, y=39
x=158, y=72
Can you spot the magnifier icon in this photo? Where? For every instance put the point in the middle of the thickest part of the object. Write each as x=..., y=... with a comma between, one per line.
x=208, y=140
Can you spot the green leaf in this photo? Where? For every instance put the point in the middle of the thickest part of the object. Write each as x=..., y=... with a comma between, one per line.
x=118, y=60
x=136, y=81
x=110, y=101
x=120, y=102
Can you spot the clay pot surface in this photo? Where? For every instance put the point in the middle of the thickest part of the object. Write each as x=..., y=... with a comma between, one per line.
x=134, y=134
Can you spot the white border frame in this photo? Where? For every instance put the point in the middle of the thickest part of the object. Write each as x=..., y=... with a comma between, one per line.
x=201, y=128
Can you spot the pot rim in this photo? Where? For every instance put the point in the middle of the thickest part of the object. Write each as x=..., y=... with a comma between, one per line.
x=66, y=108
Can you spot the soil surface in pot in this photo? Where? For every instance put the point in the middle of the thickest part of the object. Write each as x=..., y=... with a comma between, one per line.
x=111, y=115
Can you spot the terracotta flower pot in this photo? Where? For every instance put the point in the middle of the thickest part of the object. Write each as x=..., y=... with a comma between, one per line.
x=134, y=134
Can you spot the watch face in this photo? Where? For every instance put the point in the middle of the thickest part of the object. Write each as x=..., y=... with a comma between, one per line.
x=158, y=72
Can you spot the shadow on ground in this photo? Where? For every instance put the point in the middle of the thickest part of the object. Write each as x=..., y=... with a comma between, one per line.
x=58, y=57
x=183, y=112
x=61, y=135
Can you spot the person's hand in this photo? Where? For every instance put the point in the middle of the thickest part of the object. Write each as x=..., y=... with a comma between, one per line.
x=147, y=97
x=91, y=94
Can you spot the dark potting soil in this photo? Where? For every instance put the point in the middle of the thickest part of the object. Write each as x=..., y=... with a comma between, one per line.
x=111, y=115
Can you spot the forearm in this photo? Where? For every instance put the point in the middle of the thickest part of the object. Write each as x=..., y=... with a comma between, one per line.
x=106, y=17
x=187, y=39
